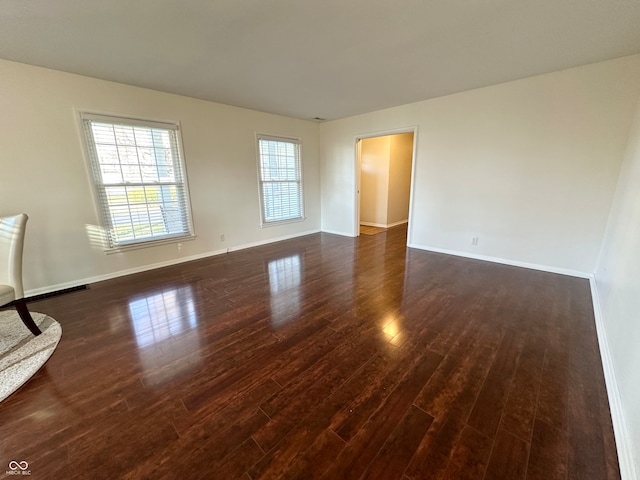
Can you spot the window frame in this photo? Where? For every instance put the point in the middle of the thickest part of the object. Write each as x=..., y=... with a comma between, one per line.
x=298, y=142
x=110, y=243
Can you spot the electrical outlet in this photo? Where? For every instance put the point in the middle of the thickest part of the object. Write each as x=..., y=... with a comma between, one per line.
x=222, y=237
x=474, y=241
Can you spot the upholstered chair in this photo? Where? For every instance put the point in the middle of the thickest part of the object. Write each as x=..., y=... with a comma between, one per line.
x=11, y=245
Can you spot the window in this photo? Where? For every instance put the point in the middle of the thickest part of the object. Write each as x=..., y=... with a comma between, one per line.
x=280, y=175
x=139, y=179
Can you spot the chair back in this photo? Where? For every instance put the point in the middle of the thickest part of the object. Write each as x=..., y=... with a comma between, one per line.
x=11, y=246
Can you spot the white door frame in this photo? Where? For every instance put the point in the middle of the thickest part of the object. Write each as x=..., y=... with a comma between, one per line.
x=358, y=173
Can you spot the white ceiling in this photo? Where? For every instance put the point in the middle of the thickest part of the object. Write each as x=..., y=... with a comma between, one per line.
x=323, y=58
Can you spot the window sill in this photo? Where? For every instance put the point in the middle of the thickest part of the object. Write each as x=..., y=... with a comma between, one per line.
x=149, y=243
x=282, y=222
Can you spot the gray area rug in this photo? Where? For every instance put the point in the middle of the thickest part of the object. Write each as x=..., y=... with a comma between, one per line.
x=22, y=354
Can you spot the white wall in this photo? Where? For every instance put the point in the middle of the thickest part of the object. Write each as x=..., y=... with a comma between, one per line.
x=618, y=289
x=400, y=156
x=374, y=180
x=528, y=166
x=44, y=172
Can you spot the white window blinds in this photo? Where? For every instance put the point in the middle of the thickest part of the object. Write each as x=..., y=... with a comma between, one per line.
x=139, y=179
x=280, y=175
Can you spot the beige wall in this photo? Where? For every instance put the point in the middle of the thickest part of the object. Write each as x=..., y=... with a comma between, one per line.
x=528, y=166
x=400, y=155
x=374, y=180
x=618, y=289
x=385, y=179
x=45, y=173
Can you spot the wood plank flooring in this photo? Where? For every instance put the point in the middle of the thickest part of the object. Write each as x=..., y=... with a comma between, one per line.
x=320, y=357
x=368, y=230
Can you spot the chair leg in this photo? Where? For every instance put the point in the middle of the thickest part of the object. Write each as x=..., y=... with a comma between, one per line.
x=21, y=307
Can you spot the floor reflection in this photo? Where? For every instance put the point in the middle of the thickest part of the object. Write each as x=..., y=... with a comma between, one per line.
x=285, y=276
x=391, y=325
x=164, y=326
x=158, y=316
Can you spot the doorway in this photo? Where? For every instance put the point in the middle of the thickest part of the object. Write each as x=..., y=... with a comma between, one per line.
x=384, y=179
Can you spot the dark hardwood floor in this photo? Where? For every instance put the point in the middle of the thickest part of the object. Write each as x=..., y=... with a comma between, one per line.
x=320, y=357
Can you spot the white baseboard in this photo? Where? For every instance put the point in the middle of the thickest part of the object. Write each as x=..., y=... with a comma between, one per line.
x=505, y=261
x=628, y=469
x=395, y=224
x=336, y=232
x=153, y=266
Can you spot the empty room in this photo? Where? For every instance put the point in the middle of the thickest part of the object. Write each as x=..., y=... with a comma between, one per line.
x=337, y=240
